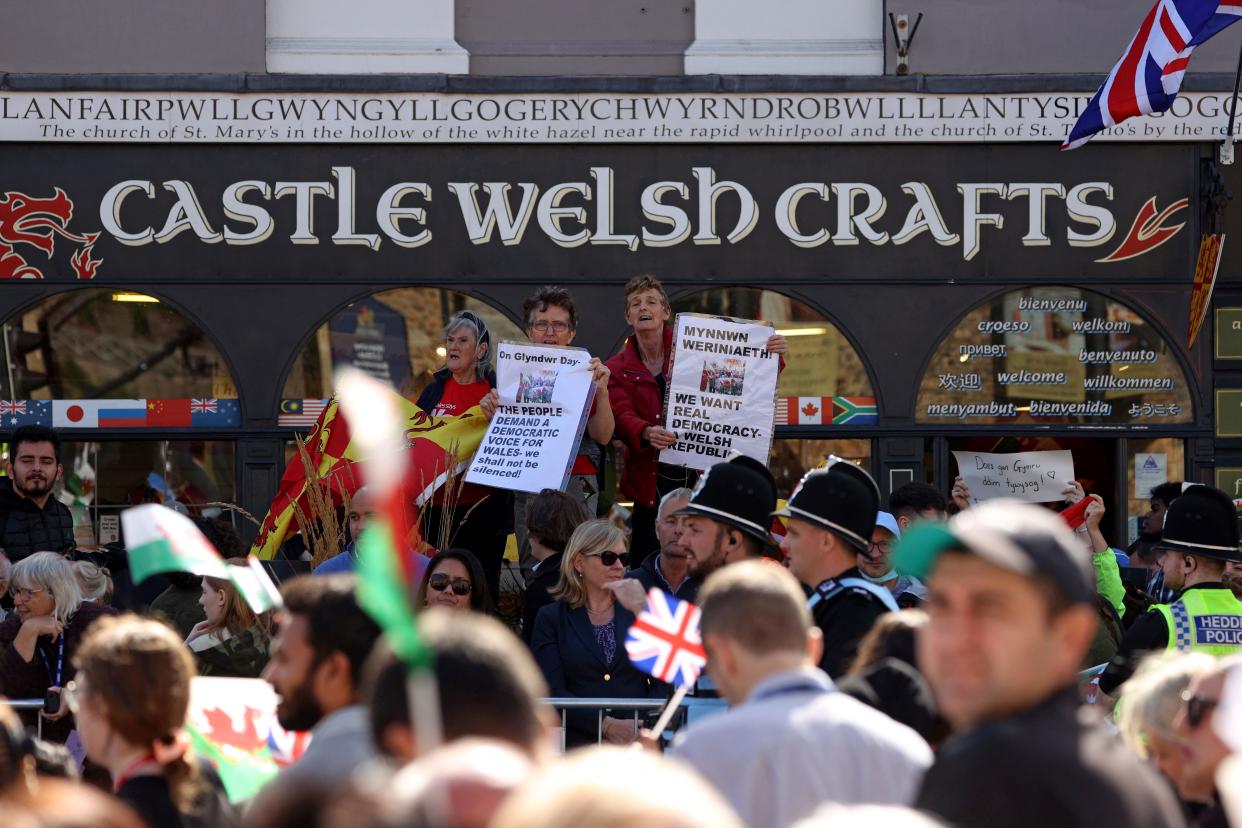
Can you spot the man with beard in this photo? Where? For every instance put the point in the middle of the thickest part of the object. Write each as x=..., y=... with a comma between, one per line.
x=727, y=518
x=316, y=669
x=31, y=519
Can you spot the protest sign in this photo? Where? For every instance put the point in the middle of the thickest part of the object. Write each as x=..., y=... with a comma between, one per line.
x=232, y=723
x=723, y=391
x=1033, y=476
x=545, y=397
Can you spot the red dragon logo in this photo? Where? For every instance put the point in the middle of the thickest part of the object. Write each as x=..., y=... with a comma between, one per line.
x=1148, y=230
x=37, y=222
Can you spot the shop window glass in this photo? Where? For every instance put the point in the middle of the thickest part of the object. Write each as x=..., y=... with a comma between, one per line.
x=820, y=362
x=395, y=336
x=104, y=344
x=793, y=458
x=1053, y=356
x=1148, y=464
x=102, y=478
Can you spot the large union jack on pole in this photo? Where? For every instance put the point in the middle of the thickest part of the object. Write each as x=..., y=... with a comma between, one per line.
x=1149, y=74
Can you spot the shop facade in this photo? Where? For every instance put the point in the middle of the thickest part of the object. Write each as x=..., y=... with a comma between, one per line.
x=177, y=302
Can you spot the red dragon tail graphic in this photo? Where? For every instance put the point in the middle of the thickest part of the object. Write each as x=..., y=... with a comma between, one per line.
x=37, y=222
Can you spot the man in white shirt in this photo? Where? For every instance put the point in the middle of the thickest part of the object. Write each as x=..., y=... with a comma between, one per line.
x=791, y=742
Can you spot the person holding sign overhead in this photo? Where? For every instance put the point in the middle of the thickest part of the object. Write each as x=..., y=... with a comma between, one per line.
x=637, y=388
x=552, y=319
x=832, y=515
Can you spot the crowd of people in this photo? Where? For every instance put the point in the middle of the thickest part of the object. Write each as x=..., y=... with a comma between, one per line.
x=911, y=661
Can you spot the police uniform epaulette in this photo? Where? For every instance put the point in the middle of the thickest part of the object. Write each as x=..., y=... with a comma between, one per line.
x=834, y=588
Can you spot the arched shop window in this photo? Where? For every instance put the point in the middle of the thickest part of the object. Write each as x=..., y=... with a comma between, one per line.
x=824, y=384
x=396, y=336
x=1054, y=356
x=1059, y=357
x=128, y=365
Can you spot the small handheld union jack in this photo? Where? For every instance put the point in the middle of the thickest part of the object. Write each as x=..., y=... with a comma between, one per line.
x=664, y=640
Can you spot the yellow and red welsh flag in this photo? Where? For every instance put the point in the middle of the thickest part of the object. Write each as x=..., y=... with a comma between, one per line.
x=432, y=444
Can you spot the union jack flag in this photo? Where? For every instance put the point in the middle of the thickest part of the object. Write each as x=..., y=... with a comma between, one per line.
x=198, y=406
x=664, y=640
x=1149, y=74
x=12, y=406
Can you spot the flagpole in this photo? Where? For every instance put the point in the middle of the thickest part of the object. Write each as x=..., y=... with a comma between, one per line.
x=670, y=709
x=1226, y=150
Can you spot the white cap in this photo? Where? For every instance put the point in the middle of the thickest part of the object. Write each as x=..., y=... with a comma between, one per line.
x=885, y=520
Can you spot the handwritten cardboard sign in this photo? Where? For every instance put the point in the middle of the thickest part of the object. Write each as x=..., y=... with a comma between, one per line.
x=1033, y=476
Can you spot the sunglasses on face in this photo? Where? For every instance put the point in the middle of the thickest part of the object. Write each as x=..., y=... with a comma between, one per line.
x=440, y=582
x=1197, y=708
x=608, y=557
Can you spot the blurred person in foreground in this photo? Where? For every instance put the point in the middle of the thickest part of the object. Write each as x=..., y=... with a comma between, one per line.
x=790, y=741
x=131, y=697
x=1204, y=751
x=56, y=803
x=867, y=816
x=489, y=688
x=605, y=787
x=551, y=518
x=316, y=667
x=1147, y=717
x=39, y=643
x=1010, y=618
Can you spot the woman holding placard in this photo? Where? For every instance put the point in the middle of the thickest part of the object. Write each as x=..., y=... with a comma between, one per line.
x=637, y=388
x=482, y=516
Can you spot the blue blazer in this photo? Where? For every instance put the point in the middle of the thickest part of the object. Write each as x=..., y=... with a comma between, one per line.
x=573, y=664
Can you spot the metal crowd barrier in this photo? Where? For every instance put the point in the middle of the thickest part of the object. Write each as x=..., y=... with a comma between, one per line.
x=28, y=704
x=694, y=707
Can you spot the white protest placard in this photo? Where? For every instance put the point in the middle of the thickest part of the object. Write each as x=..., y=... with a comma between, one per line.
x=1150, y=471
x=545, y=396
x=722, y=395
x=1033, y=476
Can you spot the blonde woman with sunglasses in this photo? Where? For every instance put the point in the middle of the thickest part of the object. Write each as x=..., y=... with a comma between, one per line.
x=579, y=639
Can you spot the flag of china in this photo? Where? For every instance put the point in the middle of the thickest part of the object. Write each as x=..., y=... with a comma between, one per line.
x=168, y=413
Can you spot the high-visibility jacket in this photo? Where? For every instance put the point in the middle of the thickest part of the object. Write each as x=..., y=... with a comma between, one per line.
x=1205, y=621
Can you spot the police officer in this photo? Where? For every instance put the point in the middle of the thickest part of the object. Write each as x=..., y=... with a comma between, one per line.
x=1200, y=537
x=728, y=516
x=831, y=515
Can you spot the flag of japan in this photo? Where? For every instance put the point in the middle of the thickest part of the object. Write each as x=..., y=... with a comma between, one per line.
x=98, y=413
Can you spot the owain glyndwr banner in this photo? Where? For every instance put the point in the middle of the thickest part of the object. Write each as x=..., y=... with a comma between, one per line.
x=342, y=213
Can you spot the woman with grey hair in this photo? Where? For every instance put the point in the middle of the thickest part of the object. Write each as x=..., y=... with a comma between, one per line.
x=482, y=516
x=38, y=645
x=1150, y=701
x=579, y=639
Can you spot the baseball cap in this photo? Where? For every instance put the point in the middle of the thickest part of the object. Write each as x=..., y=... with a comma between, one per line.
x=1010, y=534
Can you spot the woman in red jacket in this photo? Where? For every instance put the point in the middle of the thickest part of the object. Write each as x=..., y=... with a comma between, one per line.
x=637, y=388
